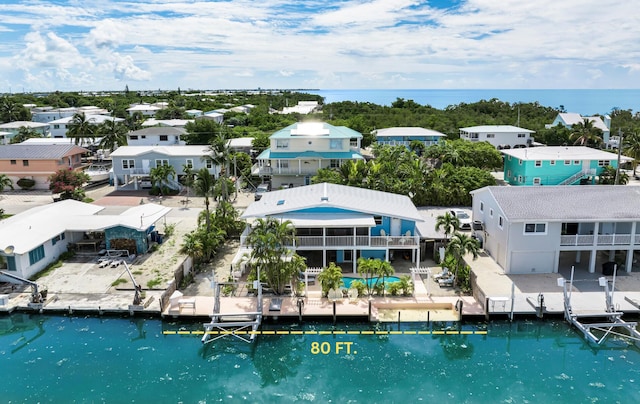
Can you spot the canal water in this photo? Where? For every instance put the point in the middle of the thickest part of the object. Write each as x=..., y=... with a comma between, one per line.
x=72, y=359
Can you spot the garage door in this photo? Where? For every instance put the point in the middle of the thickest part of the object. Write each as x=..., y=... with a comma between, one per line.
x=536, y=262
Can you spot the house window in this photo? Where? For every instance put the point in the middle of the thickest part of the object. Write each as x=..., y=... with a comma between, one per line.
x=133, y=137
x=161, y=162
x=552, y=163
x=36, y=255
x=25, y=163
x=509, y=158
x=334, y=163
x=127, y=164
x=491, y=135
x=491, y=212
x=13, y=162
x=378, y=220
x=536, y=181
x=353, y=142
x=209, y=163
x=189, y=163
x=481, y=206
x=56, y=126
x=508, y=173
x=520, y=178
x=284, y=164
x=335, y=144
x=500, y=221
x=567, y=162
x=348, y=256
x=143, y=137
x=520, y=161
x=603, y=163
x=538, y=163
x=576, y=162
x=521, y=135
x=535, y=228
x=164, y=138
x=282, y=143
x=11, y=263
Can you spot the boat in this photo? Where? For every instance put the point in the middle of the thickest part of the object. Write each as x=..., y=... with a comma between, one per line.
x=98, y=172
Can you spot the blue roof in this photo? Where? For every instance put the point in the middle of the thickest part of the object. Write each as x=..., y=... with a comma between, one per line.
x=315, y=130
x=348, y=155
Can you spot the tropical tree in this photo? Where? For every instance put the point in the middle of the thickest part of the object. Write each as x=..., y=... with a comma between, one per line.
x=608, y=176
x=8, y=110
x=80, y=127
x=161, y=174
x=25, y=133
x=203, y=185
x=330, y=278
x=270, y=239
x=631, y=148
x=5, y=182
x=114, y=134
x=192, y=246
x=374, y=268
x=68, y=183
x=220, y=155
x=584, y=133
x=448, y=223
x=187, y=179
x=460, y=245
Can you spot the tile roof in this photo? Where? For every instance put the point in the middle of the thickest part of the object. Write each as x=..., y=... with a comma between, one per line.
x=39, y=151
x=567, y=203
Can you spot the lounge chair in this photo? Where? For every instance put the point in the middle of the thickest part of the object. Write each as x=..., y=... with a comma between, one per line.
x=104, y=263
x=444, y=274
x=448, y=281
x=334, y=294
x=115, y=263
x=353, y=295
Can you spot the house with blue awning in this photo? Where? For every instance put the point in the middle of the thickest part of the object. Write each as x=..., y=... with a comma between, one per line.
x=297, y=152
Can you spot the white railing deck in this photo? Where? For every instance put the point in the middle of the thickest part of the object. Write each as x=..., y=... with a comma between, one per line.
x=352, y=241
x=600, y=239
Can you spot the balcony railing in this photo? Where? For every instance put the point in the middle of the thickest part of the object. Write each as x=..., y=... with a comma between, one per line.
x=351, y=241
x=602, y=239
x=136, y=171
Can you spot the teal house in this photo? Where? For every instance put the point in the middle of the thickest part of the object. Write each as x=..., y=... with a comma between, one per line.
x=556, y=165
x=337, y=223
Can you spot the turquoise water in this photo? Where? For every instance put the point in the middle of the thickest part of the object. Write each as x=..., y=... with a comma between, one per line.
x=388, y=279
x=585, y=102
x=62, y=359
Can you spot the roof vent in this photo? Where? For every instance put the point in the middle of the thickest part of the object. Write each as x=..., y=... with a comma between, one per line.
x=280, y=202
x=324, y=199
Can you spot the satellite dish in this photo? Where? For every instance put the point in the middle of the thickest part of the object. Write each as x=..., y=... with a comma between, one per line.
x=9, y=249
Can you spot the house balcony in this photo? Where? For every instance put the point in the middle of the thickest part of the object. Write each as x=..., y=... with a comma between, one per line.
x=304, y=169
x=337, y=242
x=599, y=240
x=135, y=171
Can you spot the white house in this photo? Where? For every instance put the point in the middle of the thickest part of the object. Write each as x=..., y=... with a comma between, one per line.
x=59, y=127
x=48, y=114
x=144, y=109
x=14, y=127
x=568, y=119
x=217, y=117
x=131, y=164
x=31, y=240
x=531, y=230
x=403, y=136
x=500, y=136
x=338, y=223
x=156, y=136
x=303, y=108
x=298, y=151
x=175, y=123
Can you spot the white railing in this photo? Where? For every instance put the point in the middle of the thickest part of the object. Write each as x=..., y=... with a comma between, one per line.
x=602, y=239
x=350, y=241
x=577, y=176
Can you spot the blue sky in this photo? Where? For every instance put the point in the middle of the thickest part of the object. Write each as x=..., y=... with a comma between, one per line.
x=79, y=45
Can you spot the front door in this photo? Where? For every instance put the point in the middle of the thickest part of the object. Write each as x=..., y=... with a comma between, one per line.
x=396, y=226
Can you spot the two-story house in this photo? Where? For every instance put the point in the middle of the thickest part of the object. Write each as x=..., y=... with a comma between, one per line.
x=48, y=114
x=338, y=223
x=547, y=229
x=297, y=152
x=568, y=119
x=500, y=136
x=133, y=164
x=156, y=136
x=145, y=109
x=59, y=127
x=38, y=161
x=557, y=165
x=403, y=136
x=13, y=128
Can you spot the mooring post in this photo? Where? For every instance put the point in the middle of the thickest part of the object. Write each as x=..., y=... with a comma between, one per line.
x=369, y=309
x=300, y=304
x=334, y=312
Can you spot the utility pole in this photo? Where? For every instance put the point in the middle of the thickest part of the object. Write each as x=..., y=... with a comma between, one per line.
x=620, y=141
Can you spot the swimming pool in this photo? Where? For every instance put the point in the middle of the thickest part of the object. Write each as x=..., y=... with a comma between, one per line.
x=372, y=281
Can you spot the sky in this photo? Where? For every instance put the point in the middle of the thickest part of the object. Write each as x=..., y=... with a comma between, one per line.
x=91, y=45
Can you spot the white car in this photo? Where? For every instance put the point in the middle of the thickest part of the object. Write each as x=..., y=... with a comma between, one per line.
x=463, y=218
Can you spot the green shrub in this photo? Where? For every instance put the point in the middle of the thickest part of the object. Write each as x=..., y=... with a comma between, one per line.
x=26, y=183
x=153, y=283
x=394, y=288
x=118, y=282
x=360, y=286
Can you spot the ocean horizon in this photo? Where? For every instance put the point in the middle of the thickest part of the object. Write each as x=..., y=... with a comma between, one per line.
x=585, y=102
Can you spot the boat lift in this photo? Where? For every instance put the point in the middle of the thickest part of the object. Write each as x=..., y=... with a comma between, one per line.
x=243, y=326
x=610, y=326
x=37, y=296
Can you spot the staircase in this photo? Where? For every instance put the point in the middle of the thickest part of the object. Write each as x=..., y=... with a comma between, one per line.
x=578, y=176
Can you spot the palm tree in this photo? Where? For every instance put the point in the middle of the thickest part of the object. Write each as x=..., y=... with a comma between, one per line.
x=192, y=246
x=161, y=174
x=80, y=128
x=631, y=147
x=448, y=223
x=187, y=179
x=203, y=185
x=459, y=246
x=585, y=133
x=25, y=133
x=8, y=110
x=114, y=134
x=5, y=182
x=221, y=155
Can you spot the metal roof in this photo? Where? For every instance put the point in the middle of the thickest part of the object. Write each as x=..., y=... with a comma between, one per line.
x=315, y=130
x=408, y=131
x=159, y=130
x=22, y=151
x=562, y=153
x=334, y=196
x=268, y=154
x=567, y=203
x=496, y=129
x=129, y=151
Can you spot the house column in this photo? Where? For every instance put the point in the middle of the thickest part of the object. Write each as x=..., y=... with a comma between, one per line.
x=324, y=247
x=629, y=262
x=299, y=167
x=592, y=261
x=354, y=261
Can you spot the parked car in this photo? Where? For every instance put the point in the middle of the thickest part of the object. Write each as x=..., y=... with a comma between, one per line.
x=146, y=182
x=261, y=190
x=463, y=218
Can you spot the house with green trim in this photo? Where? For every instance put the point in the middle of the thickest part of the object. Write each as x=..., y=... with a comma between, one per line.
x=557, y=165
x=297, y=152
